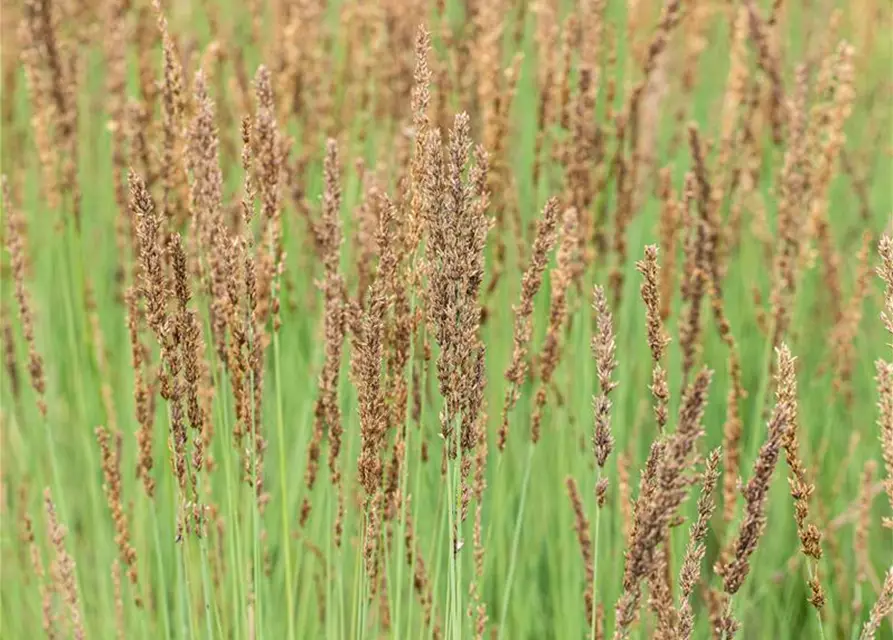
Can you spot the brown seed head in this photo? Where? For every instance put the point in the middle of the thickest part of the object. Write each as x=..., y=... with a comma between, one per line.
x=531, y=281
x=756, y=490
x=62, y=569
x=16, y=244
x=603, y=348
x=881, y=609
x=689, y=573
x=581, y=526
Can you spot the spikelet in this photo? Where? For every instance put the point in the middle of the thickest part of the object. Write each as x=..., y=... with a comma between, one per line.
x=120, y=620
x=152, y=286
x=885, y=273
x=421, y=582
x=10, y=362
x=116, y=84
x=51, y=65
x=603, y=348
x=670, y=222
x=205, y=195
x=840, y=68
x=175, y=355
x=268, y=159
x=531, y=281
x=801, y=492
x=174, y=112
x=44, y=110
x=657, y=338
x=790, y=216
x=693, y=279
x=770, y=64
x=734, y=569
x=16, y=245
x=111, y=471
x=366, y=362
x=327, y=414
x=581, y=526
x=457, y=226
x=566, y=261
x=884, y=381
x=881, y=609
x=689, y=572
x=624, y=213
x=47, y=591
x=663, y=488
x=843, y=334
x=862, y=531
x=477, y=606
x=62, y=569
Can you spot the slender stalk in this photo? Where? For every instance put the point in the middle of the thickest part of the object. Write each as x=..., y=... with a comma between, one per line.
x=811, y=571
x=598, y=520
x=516, y=538
x=283, y=483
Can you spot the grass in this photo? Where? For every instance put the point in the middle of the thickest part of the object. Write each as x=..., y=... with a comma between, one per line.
x=215, y=561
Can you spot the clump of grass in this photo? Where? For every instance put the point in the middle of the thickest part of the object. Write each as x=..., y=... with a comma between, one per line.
x=266, y=242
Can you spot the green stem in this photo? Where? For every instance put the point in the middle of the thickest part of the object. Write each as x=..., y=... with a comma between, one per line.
x=286, y=542
x=598, y=519
x=516, y=538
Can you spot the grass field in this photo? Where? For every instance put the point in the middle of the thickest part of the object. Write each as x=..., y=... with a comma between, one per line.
x=405, y=320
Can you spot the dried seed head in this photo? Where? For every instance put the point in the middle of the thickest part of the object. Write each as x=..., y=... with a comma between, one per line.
x=111, y=471
x=801, y=488
x=62, y=569
x=16, y=244
x=657, y=338
x=581, y=526
x=566, y=264
x=884, y=379
x=650, y=270
x=142, y=395
x=689, y=573
x=735, y=570
x=603, y=348
x=885, y=273
x=531, y=281
x=863, y=524
x=881, y=609
x=663, y=488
